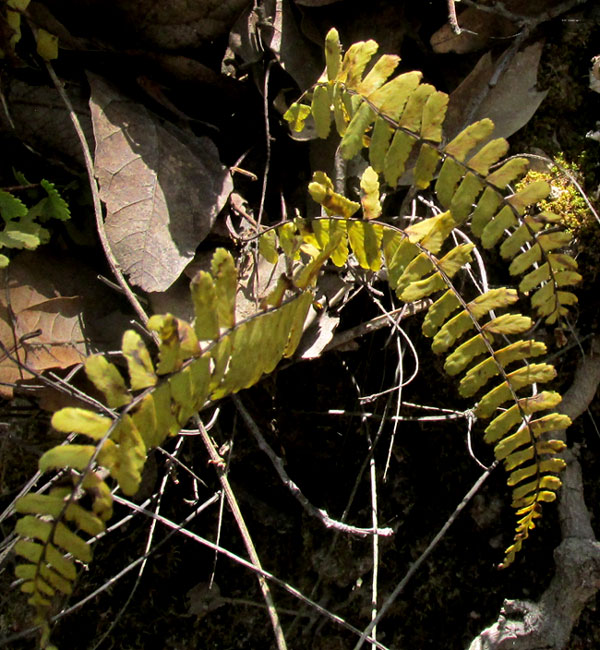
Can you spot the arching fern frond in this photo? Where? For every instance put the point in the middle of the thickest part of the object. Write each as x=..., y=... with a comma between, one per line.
x=473, y=338
x=197, y=363
x=400, y=124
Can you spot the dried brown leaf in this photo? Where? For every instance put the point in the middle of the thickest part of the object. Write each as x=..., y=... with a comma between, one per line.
x=479, y=27
x=174, y=25
x=510, y=103
x=41, y=119
x=75, y=314
x=162, y=193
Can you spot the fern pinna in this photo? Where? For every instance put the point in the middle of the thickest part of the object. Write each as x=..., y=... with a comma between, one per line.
x=399, y=124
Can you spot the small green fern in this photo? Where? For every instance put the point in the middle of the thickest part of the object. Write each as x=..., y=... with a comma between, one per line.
x=217, y=356
x=22, y=225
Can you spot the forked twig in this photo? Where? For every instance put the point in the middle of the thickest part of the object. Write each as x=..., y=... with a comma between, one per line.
x=239, y=520
x=248, y=565
x=319, y=513
x=414, y=567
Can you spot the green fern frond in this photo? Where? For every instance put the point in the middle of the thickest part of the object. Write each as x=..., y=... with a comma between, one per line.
x=400, y=123
x=473, y=337
x=197, y=364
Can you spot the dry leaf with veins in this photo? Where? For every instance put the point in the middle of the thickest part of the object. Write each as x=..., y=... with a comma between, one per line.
x=510, y=103
x=60, y=301
x=162, y=189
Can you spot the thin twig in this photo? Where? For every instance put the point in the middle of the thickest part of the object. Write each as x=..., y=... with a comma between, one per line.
x=89, y=164
x=183, y=466
x=221, y=508
x=319, y=513
x=353, y=492
x=398, y=394
x=470, y=421
x=414, y=567
x=147, y=549
x=263, y=193
x=373, y=483
x=248, y=565
x=19, y=188
x=179, y=528
x=393, y=418
x=375, y=542
x=452, y=18
x=484, y=287
x=122, y=521
x=389, y=319
x=340, y=171
x=218, y=463
x=399, y=379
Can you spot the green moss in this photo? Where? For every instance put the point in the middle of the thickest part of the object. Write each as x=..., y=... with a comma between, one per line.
x=566, y=199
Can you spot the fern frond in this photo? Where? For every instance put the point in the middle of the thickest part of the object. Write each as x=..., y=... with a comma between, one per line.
x=197, y=364
x=472, y=336
x=400, y=122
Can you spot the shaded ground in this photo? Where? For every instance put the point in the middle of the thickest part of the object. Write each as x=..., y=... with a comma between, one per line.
x=459, y=591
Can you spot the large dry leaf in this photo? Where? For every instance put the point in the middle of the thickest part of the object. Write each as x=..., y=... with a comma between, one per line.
x=173, y=25
x=510, y=103
x=162, y=193
x=41, y=120
x=72, y=313
x=180, y=23
x=478, y=27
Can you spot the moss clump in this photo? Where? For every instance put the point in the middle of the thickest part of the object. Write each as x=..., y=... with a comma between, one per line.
x=566, y=199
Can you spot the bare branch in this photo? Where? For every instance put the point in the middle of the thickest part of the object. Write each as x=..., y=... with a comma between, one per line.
x=319, y=513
